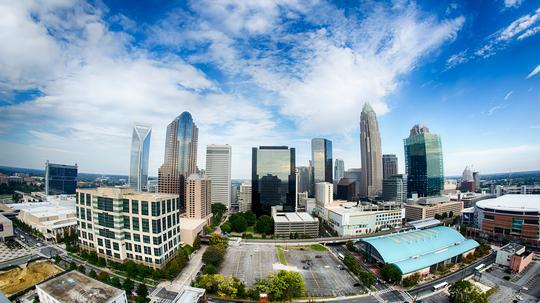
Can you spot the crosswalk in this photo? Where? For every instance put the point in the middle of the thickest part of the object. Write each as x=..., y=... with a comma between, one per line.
x=378, y=295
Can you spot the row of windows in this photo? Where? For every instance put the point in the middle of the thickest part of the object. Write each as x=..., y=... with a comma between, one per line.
x=84, y=213
x=158, y=208
x=84, y=199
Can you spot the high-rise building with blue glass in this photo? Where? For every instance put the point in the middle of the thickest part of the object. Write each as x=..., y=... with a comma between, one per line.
x=424, y=162
x=180, y=156
x=140, y=150
x=273, y=179
x=321, y=157
x=60, y=179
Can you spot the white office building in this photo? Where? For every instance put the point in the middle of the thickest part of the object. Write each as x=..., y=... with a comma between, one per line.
x=244, y=197
x=218, y=168
x=324, y=193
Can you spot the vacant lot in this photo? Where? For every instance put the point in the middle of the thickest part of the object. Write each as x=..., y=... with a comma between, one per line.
x=17, y=279
x=323, y=278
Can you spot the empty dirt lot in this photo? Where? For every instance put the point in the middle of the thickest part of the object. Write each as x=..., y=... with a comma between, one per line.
x=17, y=279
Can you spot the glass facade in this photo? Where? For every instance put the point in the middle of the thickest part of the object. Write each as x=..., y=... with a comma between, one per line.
x=273, y=179
x=140, y=150
x=60, y=179
x=424, y=163
x=321, y=157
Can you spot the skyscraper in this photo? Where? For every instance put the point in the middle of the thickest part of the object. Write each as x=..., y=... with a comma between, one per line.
x=273, y=179
x=390, y=166
x=140, y=150
x=424, y=162
x=218, y=168
x=395, y=188
x=321, y=157
x=370, y=147
x=303, y=179
x=244, y=197
x=180, y=156
x=60, y=179
x=339, y=169
x=198, y=197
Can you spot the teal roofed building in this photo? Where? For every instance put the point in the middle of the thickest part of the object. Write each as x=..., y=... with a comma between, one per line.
x=419, y=250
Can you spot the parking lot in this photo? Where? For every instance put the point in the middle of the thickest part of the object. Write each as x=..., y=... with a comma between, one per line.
x=323, y=277
x=249, y=262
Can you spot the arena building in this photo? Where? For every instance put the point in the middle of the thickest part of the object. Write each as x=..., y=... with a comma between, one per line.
x=419, y=251
x=511, y=217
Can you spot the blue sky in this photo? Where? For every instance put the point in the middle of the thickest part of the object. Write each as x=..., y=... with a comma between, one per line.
x=75, y=76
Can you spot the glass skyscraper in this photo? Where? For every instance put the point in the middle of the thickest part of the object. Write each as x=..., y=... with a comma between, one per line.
x=424, y=162
x=339, y=169
x=60, y=179
x=140, y=150
x=273, y=179
x=371, y=154
x=321, y=157
x=180, y=156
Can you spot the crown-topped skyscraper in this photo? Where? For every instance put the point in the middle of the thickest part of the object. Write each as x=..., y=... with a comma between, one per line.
x=371, y=154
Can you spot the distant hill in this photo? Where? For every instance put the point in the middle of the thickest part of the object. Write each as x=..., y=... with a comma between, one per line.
x=41, y=173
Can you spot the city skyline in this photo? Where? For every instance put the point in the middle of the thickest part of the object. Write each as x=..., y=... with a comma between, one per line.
x=151, y=66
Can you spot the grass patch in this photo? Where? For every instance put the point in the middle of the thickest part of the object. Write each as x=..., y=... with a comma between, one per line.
x=318, y=247
x=281, y=255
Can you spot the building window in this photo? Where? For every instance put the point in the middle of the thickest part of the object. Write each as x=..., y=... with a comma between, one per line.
x=126, y=222
x=137, y=237
x=107, y=243
x=147, y=250
x=137, y=248
x=163, y=207
x=115, y=246
x=117, y=255
x=127, y=236
x=88, y=214
x=157, y=252
x=106, y=220
x=100, y=242
x=155, y=209
x=146, y=239
x=134, y=206
x=135, y=223
x=106, y=233
x=88, y=200
x=144, y=208
x=157, y=240
x=156, y=226
x=145, y=225
x=125, y=205
x=105, y=204
x=129, y=247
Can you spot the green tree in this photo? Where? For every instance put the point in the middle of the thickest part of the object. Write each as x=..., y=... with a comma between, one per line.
x=128, y=286
x=92, y=274
x=216, y=239
x=238, y=223
x=411, y=280
x=390, y=273
x=226, y=227
x=350, y=245
x=101, y=262
x=116, y=282
x=81, y=269
x=197, y=243
x=142, y=294
x=465, y=292
x=284, y=285
x=214, y=255
x=250, y=217
x=57, y=259
x=265, y=225
x=210, y=269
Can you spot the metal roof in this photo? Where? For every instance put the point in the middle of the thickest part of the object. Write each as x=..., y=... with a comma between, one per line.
x=417, y=249
x=517, y=203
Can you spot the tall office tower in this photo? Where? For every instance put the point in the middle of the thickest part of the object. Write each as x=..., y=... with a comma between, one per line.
x=423, y=162
x=244, y=197
x=180, y=156
x=60, y=179
x=321, y=157
x=303, y=179
x=234, y=198
x=324, y=193
x=389, y=163
x=198, y=197
x=476, y=178
x=355, y=174
x=273, y=179
x=395, y=188
x=311, y=187
x=218, y=168
x=370, y=146
x=140, y=150
x=339, y=169
x=121, y=224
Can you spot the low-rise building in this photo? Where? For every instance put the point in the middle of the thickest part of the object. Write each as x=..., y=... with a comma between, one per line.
x=287, y=224
x=190, y=229
x=432, y=207
x=514, y=256
x=54, y=218
x=349, y=219
x=121, y=224
x=6, y=228
x=76, y=287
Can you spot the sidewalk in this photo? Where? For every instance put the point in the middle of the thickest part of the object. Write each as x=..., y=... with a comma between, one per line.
x=187, y=274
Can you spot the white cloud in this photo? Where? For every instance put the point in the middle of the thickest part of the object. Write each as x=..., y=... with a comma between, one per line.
x=512, y=3
x=534, y=72
x=495, y=108
x=508, y=95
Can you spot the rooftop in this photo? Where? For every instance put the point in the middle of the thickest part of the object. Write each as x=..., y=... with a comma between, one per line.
x=512, y=248
x=44, y=209
x=293, y=217
x=417, y=249
x=512, y=203
x=428, y=222
x=190, y=295
x=75, y=287
x=125, y=192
